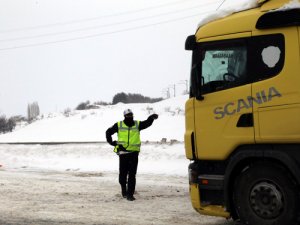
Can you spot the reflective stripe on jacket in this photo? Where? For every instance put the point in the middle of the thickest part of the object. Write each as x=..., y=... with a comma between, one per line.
x=129, y=137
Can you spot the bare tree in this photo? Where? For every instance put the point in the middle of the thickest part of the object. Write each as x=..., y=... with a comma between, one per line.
x=7, y=125
x=3, y=122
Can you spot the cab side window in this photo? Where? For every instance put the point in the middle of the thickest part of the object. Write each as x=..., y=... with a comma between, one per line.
x=231, y=63
x=224, y=65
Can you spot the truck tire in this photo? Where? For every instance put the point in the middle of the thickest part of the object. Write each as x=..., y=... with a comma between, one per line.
x=265, y=194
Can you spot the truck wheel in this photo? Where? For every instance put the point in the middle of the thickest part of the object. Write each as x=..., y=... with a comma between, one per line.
x=264, y=194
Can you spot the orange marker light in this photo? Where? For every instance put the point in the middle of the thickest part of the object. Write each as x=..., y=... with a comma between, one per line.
x=204, y=181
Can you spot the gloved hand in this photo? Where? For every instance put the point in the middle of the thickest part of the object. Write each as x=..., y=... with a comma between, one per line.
x=114, y=143
x=154, y=116
x=121, y=148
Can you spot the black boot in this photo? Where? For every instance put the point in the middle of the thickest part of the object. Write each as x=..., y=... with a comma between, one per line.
x=124, y=192
x=130, y=198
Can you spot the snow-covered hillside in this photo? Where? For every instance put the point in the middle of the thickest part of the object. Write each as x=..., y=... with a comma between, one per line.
x=90, y=125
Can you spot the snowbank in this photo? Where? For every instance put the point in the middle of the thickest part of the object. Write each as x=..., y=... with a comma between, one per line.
x=90, y=125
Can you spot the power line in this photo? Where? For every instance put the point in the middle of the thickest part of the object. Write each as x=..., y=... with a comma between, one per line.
x=220, y=5
x=96, y=18
x=104, y=25
x=100, y=34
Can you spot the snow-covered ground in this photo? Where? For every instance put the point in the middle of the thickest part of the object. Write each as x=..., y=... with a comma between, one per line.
x=162, y=159
x=60, y=183
x=40, y=197
x=90, y=125
x=78, y=184
x=156, y=157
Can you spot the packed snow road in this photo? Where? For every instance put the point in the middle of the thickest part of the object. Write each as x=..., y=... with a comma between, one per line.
x=71, y=197
x=78, y=184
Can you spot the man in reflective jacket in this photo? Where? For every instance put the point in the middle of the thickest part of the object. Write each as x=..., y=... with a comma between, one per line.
x=128, y=148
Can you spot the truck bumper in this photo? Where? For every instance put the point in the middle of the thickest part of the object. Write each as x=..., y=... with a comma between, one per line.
x=211, y=210
x=211, y=186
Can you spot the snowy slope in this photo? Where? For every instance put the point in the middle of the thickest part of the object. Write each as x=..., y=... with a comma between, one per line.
x=155, y=158
x=90, y=125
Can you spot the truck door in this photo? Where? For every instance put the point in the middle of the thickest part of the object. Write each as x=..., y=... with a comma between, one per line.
x=277, y=90
x=223, y=113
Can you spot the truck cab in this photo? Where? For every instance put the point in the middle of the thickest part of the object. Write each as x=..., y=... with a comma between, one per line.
x=243, y=115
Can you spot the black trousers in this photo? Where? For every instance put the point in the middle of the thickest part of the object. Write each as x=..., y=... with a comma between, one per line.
x=127, y=170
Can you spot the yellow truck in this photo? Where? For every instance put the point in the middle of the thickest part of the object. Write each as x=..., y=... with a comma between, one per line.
x=243, y=115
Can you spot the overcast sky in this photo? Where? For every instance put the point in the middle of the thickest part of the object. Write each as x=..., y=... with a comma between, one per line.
x=63, y=52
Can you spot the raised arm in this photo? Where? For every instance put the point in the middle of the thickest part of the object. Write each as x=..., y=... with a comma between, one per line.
x=148, y=122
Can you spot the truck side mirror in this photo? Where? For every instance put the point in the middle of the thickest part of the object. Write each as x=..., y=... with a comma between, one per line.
x=190, y=43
